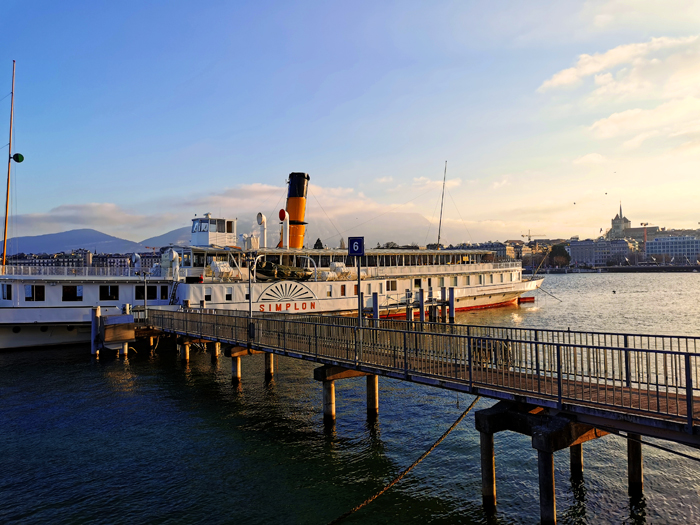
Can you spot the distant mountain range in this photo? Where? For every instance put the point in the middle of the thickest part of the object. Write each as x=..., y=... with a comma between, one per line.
x=181, y=236
x=92, y=240
x=402, y=228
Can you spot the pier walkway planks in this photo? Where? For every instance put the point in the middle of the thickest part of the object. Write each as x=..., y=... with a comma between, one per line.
x=647, y=384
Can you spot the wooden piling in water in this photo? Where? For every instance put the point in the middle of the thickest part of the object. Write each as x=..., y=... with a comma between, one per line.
x=95, y=331
x=236, y=369
x=443, y=307
x=329, y=402
x=488, y=472
x=421, y=305
x=372, y=396
x=185, y=351
x=576, y=461
x=452, y=304
x=548, y=500
x=635, y=465
x=269, y=365
x=409, y=306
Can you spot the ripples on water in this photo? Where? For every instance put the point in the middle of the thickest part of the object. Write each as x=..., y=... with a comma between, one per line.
x=150, y=440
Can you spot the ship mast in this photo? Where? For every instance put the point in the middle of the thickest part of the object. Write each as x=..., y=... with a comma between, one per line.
x=442, y=201
x=9, y=165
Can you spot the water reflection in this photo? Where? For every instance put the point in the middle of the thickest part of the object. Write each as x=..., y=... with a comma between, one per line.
x=638, y=510
x=576, y=513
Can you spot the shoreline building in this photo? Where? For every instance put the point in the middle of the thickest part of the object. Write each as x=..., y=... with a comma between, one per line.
x=599, y=253
x=75, y=259
x=680, y=249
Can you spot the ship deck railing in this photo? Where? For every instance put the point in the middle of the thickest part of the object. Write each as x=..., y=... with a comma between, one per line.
x=83, y=271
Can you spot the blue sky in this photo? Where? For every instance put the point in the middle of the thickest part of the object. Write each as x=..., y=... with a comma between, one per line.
x=134, y=116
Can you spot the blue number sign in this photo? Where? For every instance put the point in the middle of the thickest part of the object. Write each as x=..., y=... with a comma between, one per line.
x=356, y=246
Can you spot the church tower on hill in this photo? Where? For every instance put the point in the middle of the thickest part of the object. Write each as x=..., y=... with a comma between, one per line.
x=619, y=224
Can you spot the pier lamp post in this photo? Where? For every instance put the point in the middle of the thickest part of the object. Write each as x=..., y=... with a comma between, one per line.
x=17, y=157
x=356, y=248
x=145, y=295
x=250, y=260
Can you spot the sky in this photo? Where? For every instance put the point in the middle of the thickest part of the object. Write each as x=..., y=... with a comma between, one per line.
x=134, y=116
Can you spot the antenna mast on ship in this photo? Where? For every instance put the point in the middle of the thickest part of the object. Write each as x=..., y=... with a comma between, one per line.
x=442, y=201
x=17, y=157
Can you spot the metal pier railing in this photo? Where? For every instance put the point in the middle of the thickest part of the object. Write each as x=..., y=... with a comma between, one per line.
x=652, y=377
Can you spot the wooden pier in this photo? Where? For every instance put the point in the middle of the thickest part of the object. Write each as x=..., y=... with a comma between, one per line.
x=560, y=387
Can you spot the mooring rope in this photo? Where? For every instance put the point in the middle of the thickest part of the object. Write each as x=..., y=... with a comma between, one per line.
x=406, y=471
x=545, y=291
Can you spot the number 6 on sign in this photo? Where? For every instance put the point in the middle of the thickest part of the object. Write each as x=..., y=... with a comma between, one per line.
x=356, y=246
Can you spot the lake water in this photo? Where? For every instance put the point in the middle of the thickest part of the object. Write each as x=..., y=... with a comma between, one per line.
x=152, y=440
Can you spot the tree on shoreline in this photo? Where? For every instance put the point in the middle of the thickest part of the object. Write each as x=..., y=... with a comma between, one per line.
x=559, y=256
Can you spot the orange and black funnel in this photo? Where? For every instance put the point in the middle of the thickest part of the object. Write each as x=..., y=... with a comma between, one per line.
x=296, y=208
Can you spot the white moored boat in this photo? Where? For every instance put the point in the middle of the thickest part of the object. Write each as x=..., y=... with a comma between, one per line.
x=48, y=306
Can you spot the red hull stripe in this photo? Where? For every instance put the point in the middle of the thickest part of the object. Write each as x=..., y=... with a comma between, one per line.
x=462, y=309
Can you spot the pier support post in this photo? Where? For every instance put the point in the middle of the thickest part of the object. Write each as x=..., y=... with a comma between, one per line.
x=576, y=461
x=430, y=306
x=372, y=396
x=409, y=306
x=635, y=465
x=548, y=502
x=452, y=305
x=327, y=374
x=443, y=308
x=329, y=402
x=421, y=305
x=185, y=352
x=151, y=341
x=236, y=369
x=215, y=351
x=95, y=331
x=270, y=365
x=549, y=432
x=124, y=350
x=488, y=472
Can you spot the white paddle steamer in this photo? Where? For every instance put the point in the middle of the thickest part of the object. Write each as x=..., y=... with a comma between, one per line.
x=49, y=306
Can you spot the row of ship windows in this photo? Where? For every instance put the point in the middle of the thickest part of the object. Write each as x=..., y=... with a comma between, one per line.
x=391, y=286
x=74, y=293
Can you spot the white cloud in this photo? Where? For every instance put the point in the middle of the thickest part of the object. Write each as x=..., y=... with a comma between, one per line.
x=106, y=216
x=499, y=184
x=591, y=158
x=426, y=183
x=589, y=65
x=612, y=15
x=637, y=141
x=384, y=180
x=668, y=117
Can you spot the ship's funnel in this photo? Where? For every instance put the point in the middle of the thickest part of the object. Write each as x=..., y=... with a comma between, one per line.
x=296, y=208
